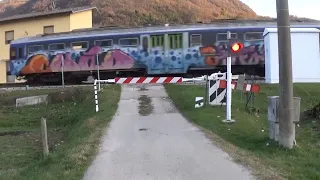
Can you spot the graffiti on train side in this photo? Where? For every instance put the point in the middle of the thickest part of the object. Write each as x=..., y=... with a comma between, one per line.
x=112, y=58
x=78, y=61
x=252, y=54
x=155, y=59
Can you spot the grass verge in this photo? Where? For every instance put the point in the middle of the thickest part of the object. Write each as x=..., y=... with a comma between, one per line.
x=74, y=131
x=247, y=140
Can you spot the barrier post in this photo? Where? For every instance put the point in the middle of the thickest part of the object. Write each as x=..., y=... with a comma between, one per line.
x=98, y=69
x=206, y=98
x=62, y=72
x=96, y=95
x=229, y=89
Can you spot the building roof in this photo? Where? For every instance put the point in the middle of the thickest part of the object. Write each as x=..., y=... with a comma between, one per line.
x=47, y=13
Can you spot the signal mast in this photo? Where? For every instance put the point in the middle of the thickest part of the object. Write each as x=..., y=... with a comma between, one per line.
x=234, y=49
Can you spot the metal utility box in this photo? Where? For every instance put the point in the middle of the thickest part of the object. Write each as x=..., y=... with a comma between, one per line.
x=273, y=109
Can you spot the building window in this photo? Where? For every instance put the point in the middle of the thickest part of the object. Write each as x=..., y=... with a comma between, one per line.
x=9, y=36
x=195, y=40
x=128, y=42
x=79, y=45
x=48, y=29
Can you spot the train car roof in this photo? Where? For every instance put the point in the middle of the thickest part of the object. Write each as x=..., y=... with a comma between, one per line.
x=114, y=30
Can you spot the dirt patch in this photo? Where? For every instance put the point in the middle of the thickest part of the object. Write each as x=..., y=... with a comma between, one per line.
x=13, y=133
x=313, y=113
x=143, y=88
x=91, y=122
x=143, y=129
x=76, y=94
x=145, y=106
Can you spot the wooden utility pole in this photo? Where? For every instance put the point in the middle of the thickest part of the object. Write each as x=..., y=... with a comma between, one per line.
x=286, y=125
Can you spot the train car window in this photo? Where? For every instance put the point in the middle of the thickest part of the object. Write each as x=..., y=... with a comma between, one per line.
x=20, y=53
x=104, y=43
x=157, y=40
x=35, y=48
x=13, y=53
x=222, y=37
x=195, y=40
x=57, y=46
x=79, y=45
x=145, y=43
x=253, y=36
x=175, y=41
x=128, y=42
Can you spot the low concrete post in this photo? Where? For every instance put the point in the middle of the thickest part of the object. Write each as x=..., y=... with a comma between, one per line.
x=273, y=116
x=44, y=137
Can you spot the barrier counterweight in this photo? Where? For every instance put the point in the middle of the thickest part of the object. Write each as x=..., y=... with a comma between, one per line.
x=217, y=95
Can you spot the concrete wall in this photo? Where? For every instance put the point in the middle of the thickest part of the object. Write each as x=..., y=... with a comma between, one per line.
x=305, y=55
x=3, y=71
x=33, y=100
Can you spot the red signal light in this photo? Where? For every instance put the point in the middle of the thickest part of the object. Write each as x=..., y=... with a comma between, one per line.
x=235, y=47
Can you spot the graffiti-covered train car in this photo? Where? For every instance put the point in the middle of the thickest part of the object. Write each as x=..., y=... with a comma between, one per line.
x=141, y=51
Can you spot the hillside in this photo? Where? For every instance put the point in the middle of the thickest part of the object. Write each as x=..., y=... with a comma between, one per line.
x=138, y=12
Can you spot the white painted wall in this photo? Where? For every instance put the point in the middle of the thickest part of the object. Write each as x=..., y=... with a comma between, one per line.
x=305, y=55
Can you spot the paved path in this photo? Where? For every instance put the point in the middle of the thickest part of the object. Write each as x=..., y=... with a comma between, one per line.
x=158, y=146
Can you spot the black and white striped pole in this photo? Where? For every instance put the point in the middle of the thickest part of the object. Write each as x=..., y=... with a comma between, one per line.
x=96, y=95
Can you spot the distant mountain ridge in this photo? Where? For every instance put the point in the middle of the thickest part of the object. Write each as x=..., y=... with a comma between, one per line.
x=139, y=12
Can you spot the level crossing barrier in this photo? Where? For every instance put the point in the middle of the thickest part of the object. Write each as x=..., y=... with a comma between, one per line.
x=216, y=90
x=139, y=80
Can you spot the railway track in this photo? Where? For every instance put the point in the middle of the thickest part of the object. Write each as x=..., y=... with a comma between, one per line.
x=23, y=86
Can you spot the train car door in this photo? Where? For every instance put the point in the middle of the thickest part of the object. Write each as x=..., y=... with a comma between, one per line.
x=164, y=53
x=157, y=54
x=175, y=52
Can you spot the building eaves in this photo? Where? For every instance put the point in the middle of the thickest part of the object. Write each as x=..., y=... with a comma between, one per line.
x=47, y=13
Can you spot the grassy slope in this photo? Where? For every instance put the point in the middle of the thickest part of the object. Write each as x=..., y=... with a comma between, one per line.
x=74, y=132
x=250, y=132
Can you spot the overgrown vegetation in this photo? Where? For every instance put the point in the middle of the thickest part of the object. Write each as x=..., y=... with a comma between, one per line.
x=248, y=140
x=74, y=129
x=140, y=12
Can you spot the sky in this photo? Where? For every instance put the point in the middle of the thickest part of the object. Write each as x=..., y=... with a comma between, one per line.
x=301, y=8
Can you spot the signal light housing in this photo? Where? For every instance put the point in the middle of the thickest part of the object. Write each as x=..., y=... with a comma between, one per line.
x=235, y=47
